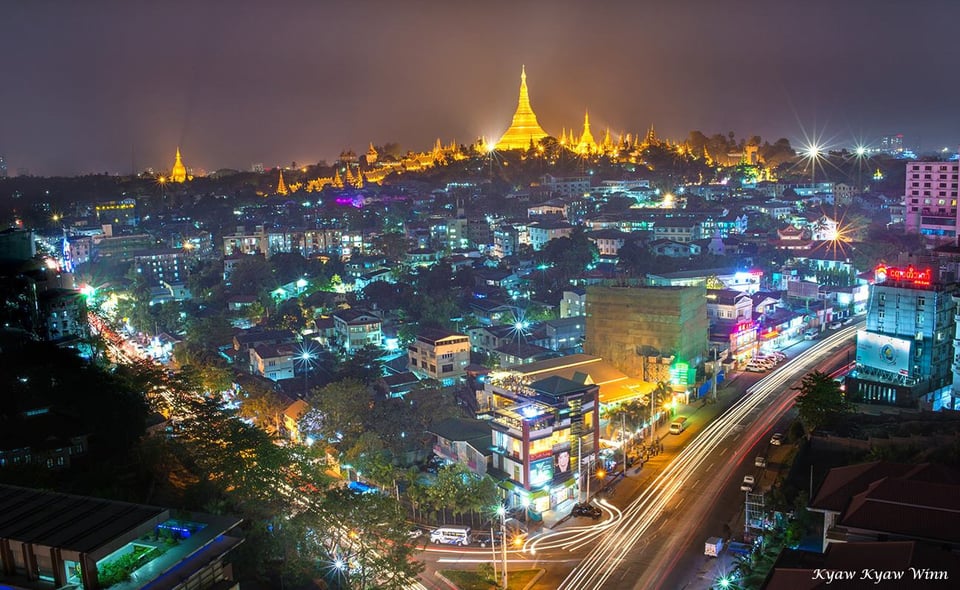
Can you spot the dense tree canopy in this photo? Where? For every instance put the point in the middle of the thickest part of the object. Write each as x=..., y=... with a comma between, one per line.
x=820, y=401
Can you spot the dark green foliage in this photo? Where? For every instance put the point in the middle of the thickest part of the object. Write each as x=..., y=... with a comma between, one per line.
x=820, y=401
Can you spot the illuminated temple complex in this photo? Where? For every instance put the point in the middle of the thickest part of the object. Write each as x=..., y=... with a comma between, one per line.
x=524, y=129
x=179, y=172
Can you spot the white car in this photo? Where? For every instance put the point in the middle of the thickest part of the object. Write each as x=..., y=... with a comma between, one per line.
x=777, y=439
x=747, y=485
x=756, y=368
x=834, y=325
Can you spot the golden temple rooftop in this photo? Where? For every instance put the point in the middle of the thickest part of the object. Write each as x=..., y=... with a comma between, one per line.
x=524, y=129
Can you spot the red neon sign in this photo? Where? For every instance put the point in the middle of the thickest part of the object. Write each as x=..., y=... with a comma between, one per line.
x=919, y=278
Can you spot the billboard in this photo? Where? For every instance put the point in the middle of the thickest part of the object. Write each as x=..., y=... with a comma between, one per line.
x=541, y=472
x=884, y=352
x=561, y=459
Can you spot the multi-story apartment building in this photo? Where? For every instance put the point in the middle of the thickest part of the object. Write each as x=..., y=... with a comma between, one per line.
x=608, y=241
x=682, y=230
x=76, y=250
x=508, y=237
x=121, y=247
x=244, y=242
x=439, y=355
x=930, y=199
x=569, y=186
x=564, y=334
x=541, y=429
x=905, y=352
x=487, y=339
x=123, y=212
x=321, y=241
x=729, y=304
x=542, y=232
x=574, y=303
x=166, y=265
x=356, y=329
x=275, y=362
x=479, y=233
x=64, y=313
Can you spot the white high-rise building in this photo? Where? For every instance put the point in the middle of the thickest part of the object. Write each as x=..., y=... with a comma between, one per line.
x=930, y=199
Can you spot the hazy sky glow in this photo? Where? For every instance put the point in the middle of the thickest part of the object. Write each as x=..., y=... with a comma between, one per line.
x=98, y=86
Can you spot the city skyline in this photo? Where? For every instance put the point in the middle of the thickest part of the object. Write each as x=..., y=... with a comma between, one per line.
x=118, y=88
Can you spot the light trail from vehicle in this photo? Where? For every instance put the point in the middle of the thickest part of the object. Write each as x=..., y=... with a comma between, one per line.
x=572, y=538
x=597, y=567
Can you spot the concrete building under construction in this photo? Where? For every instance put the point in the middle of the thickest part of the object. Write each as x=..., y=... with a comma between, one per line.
x=642, y=331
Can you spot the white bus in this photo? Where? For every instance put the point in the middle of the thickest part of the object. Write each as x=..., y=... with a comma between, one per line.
x=452, y=535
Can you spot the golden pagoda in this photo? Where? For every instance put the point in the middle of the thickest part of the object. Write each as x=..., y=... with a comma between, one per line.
x=607, y=143
x=281, y=186
x=179, y=172
x=337, y=181
x=372, y=155
x=524, y=129
x=651, y=138
x=587, y=144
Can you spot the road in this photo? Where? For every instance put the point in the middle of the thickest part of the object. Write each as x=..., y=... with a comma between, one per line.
x=680, y=498
x=651, y=546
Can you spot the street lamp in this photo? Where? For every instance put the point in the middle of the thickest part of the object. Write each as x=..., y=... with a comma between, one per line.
x=503, y=540
x=306, y=357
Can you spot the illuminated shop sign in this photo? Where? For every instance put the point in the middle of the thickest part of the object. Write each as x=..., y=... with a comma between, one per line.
x=915, y=276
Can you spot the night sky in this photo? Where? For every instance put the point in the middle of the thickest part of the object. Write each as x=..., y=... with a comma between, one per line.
x=103, y=86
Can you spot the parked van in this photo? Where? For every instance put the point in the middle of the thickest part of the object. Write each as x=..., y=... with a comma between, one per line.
x=760, y=462
x=678, y=425
x=452, y=535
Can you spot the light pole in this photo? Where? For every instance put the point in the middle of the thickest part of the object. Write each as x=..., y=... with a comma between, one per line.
x=860, y=151
x=306, y=357
x=503, y=541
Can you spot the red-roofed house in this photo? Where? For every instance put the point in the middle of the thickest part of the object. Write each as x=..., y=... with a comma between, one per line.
x=890, y=501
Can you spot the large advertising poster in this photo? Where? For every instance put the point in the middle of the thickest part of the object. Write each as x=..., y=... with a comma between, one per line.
x=541, y=472
x=884, y=352
x=561, y=459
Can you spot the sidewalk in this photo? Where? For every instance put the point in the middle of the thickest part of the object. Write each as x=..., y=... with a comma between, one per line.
x=625, y=485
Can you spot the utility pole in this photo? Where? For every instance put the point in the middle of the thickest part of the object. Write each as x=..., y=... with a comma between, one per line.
x=653, y=395
x=623, y=442
x=493, y=551
x=589, y=469
x=580, y=478
x=713, y=385
x=503, y=542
